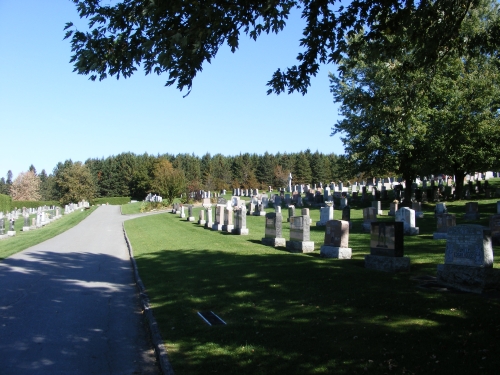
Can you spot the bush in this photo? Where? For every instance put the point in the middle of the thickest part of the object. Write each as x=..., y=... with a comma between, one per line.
x=5, y=203
x=112, y=200
x=34, y=204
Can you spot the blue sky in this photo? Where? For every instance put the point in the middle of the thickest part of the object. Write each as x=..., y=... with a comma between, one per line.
x=49, y=114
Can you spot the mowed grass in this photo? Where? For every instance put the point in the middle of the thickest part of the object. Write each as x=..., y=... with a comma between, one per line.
x=301, y=314
x=23, y=240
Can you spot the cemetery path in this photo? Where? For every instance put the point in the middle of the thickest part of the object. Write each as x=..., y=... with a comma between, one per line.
x=70, y=306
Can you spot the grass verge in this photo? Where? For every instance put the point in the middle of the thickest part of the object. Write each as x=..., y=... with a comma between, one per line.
x=301, y=314
x=23, y=240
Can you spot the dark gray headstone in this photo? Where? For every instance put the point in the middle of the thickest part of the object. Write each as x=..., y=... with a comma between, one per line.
x=387, y=239
x=469, y=245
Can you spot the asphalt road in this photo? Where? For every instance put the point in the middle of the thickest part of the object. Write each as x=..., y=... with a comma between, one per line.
x=70, y=306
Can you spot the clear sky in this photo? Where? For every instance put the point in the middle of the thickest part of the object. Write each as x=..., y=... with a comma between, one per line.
x=49, y=114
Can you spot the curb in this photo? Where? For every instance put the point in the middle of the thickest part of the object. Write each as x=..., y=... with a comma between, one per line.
x=160, y=351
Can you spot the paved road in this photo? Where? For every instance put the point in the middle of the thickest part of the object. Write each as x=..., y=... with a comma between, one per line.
x=70, y=306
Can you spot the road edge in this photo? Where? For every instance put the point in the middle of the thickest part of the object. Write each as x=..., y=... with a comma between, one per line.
x=154, y=331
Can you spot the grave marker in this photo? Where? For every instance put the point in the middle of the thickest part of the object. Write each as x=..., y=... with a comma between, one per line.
x=336, y=243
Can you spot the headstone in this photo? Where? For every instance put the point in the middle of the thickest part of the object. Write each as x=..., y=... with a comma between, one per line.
x=11, y=232
x=336, y=243
x=444, y=223
x=377, y=205
x=471, y=211
x=343, y=202
x=393, y=207
x=273, y=235
x=468, y=261
x=325, y=215
x=201, y=217
x=291, y=212
x=190, y=213
x=369, y=216
x=407, y=216
x=346, y=214
x=495, y=229
x=26, y=226
x=260, y=210
x=440, y=209
x=300, y=235
x=387, y=248
x=219, y=217
x=228, y=220
x=305, y=212
x=417, y=207
x=209, y=221
x=240, y=221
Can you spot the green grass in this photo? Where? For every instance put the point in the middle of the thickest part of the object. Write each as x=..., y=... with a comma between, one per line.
x=111, y=200
x=301, y=314
x=23, y=240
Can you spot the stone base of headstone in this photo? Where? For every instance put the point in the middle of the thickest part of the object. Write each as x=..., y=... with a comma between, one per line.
x=335, y=252
x=182, y=216
x=320, y=223
x=209, y=225
x=201, y=222
x=217, y=227
x=468, y=279
x=419, y=214
x=387, y=264
x=240, y=231
x=174, y=211
x=472, y=216
x=25, y=229
x=274, y=242
x=259, y=213
x=11, y=233
x=191, y=218
x=3, y=236
x=380, y=212
x=228, y=228
x=367, y=226
x=439, y=236
x=300, y=246
x=412, y=231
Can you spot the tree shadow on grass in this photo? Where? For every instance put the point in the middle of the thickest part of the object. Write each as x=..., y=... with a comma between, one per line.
x=301, y=315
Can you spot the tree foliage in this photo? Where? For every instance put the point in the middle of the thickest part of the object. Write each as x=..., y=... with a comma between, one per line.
x=26, y=187
x=74, y=182
x=414, y=120
x=178, y=37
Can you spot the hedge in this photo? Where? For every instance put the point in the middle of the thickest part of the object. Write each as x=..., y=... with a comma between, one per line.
x=5, y=203
x=112, y=200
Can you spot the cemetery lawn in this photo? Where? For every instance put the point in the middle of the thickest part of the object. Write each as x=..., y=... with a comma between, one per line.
x=302, y=314
x=23, y=240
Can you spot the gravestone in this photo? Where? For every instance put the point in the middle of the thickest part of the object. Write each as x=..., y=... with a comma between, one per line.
x=219, y=217
x=343, y=202
x=11, y=232
x=190, y=213
x=369, y=216
x=26, y=226
x=336, y=243
x=305, y=212
x=277, y=200
x=471, y=211
x=417, y=207
x=182, y=214
x=291, y=212
x=273, y=235
x=407, y=216
x=209, y=220
x=387, y=248
x=377, y=205
x=468, y=261
x=393, y=207
x=325, y=215
x=240, y=221
x=444, y=223
x=300, y=235
x=228, y=220
x=201, y=217
x=260, y=210
x=440, y=209
x=2, y=227
x=495, y=229
x=346, y=214
x=498, y=207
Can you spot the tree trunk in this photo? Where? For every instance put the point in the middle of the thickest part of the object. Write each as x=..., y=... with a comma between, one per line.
x=459, y=182
x=408, y=178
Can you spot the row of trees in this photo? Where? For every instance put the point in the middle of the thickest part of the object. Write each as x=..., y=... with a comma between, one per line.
x=128, y=174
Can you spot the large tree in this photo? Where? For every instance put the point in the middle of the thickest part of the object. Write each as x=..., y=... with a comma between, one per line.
x=405, y=120
x=74, y=182
x=177, y=37
x=26, y=187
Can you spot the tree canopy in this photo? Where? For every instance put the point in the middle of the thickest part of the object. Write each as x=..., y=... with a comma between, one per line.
x=177, y=37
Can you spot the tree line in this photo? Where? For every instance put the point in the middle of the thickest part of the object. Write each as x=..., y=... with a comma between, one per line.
x=131, y=175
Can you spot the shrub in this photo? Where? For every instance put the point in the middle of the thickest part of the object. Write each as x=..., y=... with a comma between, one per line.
x=33, y=204
x=111, y=200
x=5, y=203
